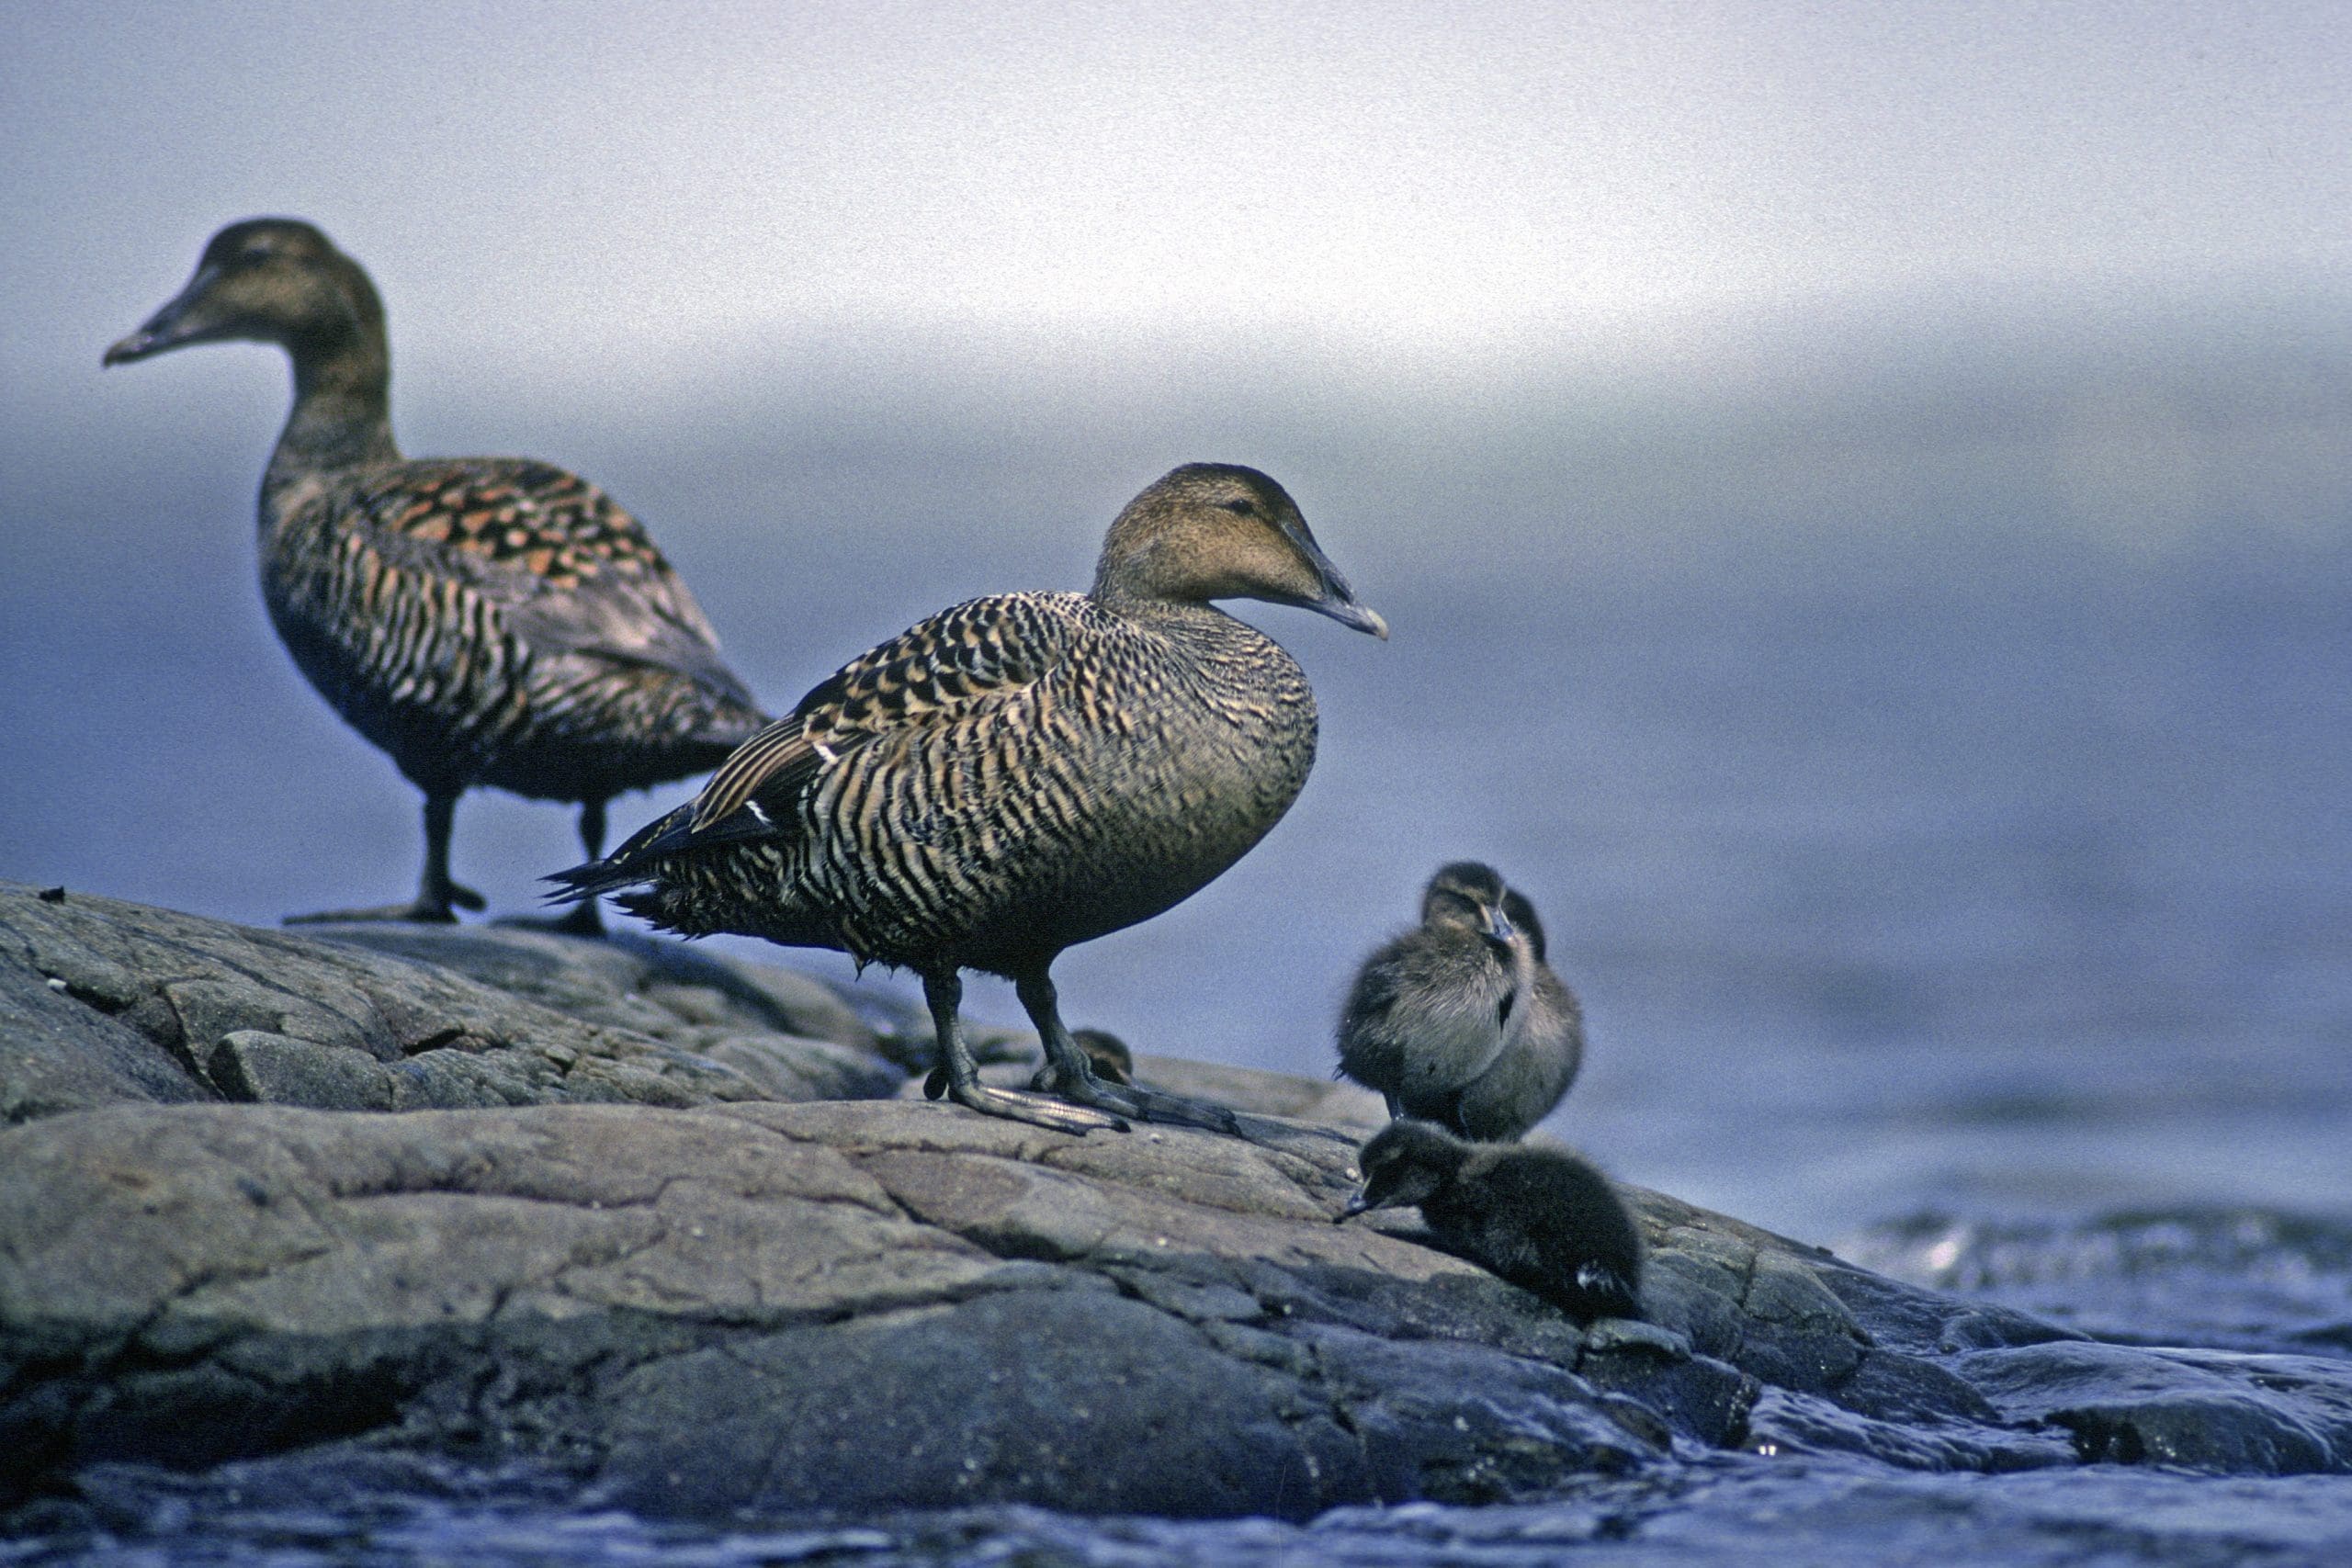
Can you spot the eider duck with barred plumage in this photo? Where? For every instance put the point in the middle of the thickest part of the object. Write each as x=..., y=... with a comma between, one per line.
x=1019, y=775
x=486, y=621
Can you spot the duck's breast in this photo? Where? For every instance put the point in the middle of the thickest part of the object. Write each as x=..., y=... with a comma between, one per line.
x=1125, y=779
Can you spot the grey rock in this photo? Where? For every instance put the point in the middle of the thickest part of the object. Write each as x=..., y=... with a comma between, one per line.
x=1079, y=1398
x=710, y=1302
x=103, y=1003
x=854, y=1303
x=2224, y=1412
x=253, y=1063
x=59, y=1053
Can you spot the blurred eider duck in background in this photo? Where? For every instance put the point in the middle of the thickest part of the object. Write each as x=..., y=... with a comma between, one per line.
x=1539, y=1217
x=1019, y=775
x=1460, y=1022
x=484, y=620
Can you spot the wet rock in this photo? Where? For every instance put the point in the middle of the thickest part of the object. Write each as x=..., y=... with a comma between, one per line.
x=2224, y=1412
x=780, y=1307
x=712, y=1301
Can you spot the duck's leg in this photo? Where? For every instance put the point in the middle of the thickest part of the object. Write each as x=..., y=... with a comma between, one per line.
x=584, y=918
x=1069, y=1074
x=436, y=893
x=944, y=991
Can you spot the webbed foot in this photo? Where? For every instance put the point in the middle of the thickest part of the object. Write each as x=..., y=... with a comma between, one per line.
x=1133, y=1100
x=1037, y=1109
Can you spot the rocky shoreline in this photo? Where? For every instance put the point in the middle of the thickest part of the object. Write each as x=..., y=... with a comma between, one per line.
x=671, y=1227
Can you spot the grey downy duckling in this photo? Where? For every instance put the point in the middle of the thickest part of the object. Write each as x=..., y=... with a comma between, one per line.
x=1019, y=775
x=485, y=621
x=1461, y=1022
x=1539, y=1217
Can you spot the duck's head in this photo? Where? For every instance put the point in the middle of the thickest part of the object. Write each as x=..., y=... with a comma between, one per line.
x=1470, y=896
x=266, y=280
x=1405, y=1164
x=1106, y=1054
x=1219, y=531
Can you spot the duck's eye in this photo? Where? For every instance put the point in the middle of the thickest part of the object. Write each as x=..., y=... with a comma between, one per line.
x=1240, y=506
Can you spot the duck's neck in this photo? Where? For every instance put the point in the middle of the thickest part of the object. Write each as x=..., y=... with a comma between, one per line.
x=1115, y=596
x=342, y=415
x=1153, y=610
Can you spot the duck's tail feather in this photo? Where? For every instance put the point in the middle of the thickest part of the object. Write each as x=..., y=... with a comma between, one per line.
x=637, y=862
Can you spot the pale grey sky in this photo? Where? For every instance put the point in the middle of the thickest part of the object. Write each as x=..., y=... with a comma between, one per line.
x=589, y=190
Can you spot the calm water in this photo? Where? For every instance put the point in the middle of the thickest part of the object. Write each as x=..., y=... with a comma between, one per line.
x=1978, y=904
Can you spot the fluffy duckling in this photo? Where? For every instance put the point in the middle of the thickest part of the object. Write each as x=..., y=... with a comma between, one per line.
x=1019, y=775
x=484, y=620
x=1107, y=1054
x=1460, y=1022
x=1539, y=1217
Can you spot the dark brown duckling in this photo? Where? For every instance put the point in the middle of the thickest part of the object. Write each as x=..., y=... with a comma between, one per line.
x=1540, y=1217
x=1460, y=1022
x=1019, y=775
x=1106, y=1054
x=486, y=621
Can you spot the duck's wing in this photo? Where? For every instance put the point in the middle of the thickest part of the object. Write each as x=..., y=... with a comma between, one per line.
x=942, y=679
x=937, y=678
x=569, y=571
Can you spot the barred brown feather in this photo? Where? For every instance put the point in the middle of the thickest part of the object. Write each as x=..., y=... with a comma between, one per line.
x=553, y=653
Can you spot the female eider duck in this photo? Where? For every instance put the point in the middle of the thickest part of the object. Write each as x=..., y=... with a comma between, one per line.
x=484, y=620
x=1539, y=1217
x=1019, y=775
x=1460, y=1022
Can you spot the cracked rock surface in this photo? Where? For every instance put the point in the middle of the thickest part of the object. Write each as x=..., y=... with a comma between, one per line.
x=707, y=1302
x=103, y=1003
